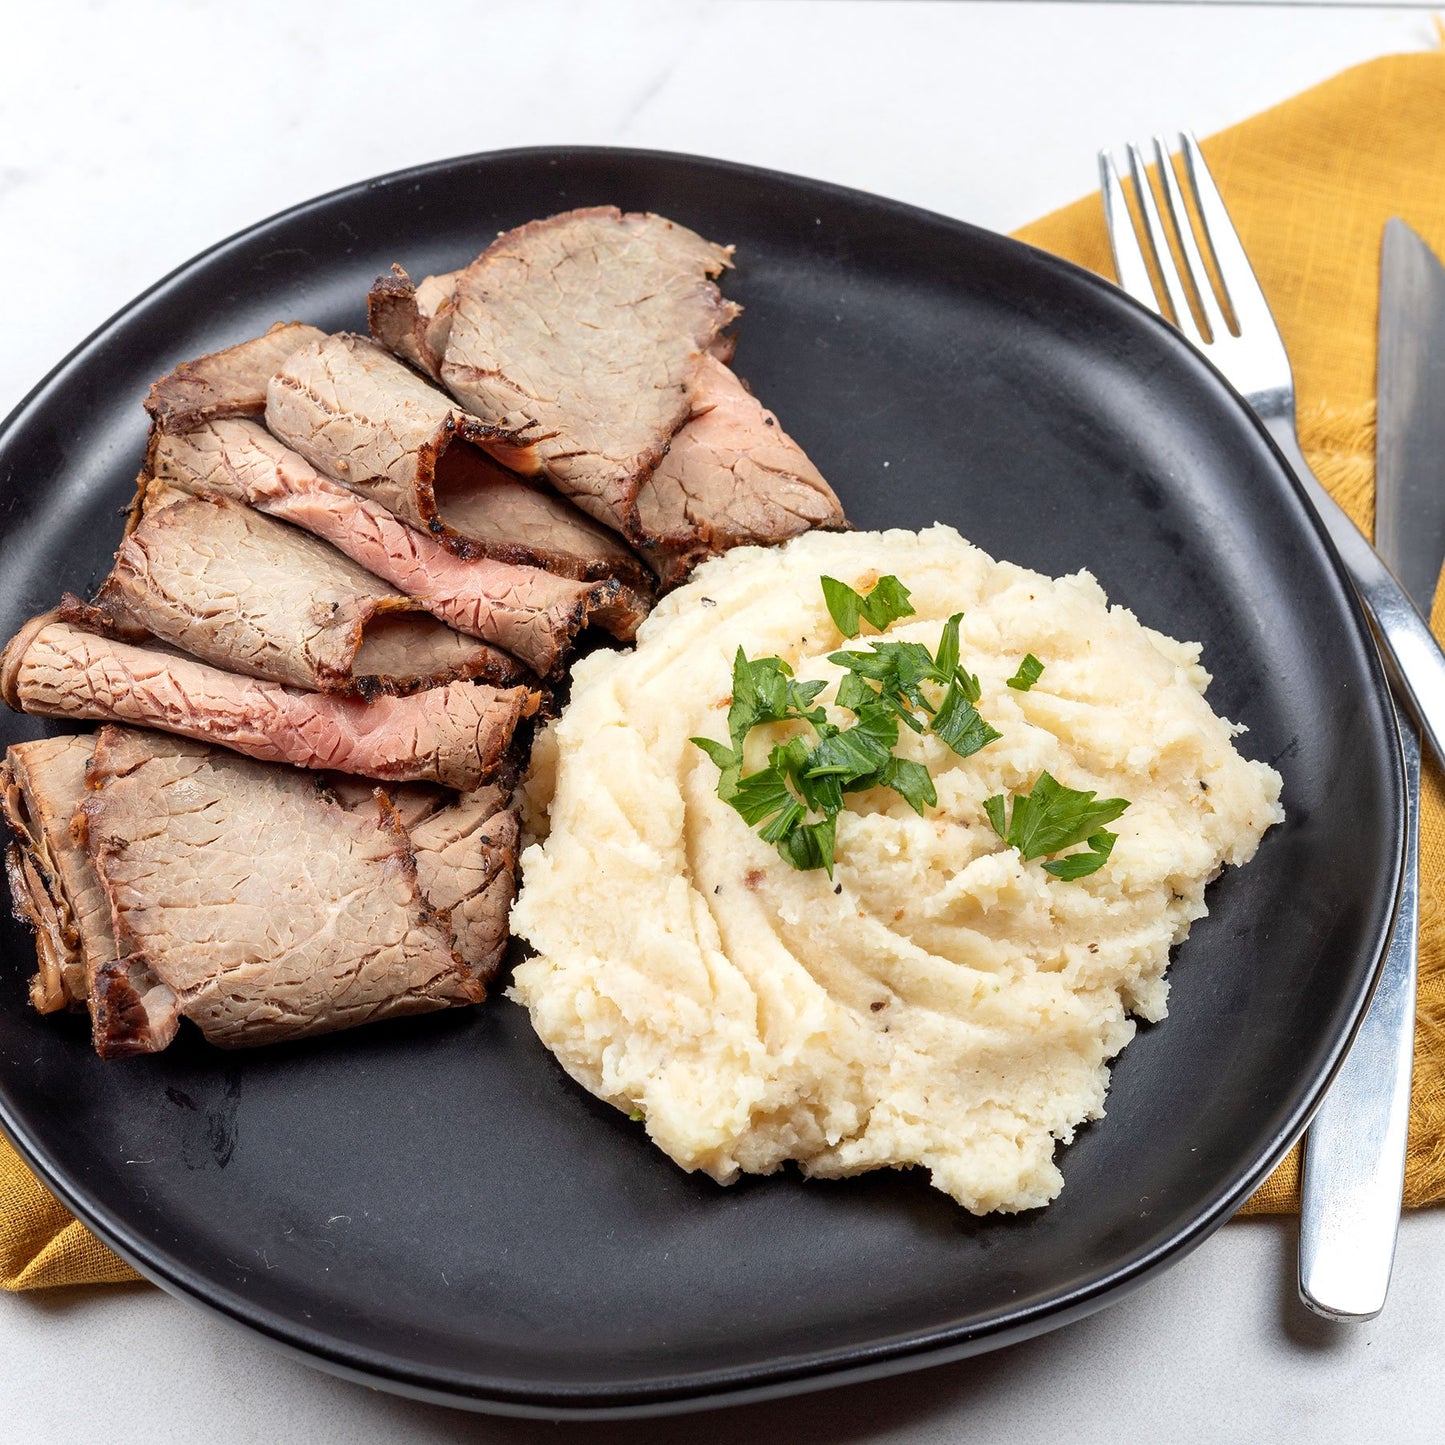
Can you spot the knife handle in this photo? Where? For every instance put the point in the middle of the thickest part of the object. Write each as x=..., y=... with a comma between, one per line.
x=1354, y=1161
x=1411, y=654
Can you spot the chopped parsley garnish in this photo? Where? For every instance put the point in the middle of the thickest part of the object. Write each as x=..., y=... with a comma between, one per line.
x=884, y=604
x=794, y=800
x=1052, y=818
x=1030, y=671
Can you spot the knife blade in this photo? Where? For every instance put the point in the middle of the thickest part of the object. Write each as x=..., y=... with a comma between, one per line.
x=1354, y=1165
x=1410, y=427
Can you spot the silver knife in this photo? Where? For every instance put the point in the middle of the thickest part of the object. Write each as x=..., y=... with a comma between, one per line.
x=1354, y=1164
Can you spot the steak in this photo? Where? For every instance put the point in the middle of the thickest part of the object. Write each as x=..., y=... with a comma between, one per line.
x=457, y=734
x=324, y=927
x=414, y=322
x=531, y=613
x=239, y=589
x=225, y=383
x=731, y=478
x=591, y=324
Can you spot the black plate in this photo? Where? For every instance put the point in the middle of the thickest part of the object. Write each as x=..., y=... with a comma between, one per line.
x=432, y=1205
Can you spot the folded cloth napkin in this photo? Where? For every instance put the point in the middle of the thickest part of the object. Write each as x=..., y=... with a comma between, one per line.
x=1310, y=185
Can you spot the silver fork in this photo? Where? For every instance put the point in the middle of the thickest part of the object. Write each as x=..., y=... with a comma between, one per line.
x=1252, y=358
x=1355, y=1155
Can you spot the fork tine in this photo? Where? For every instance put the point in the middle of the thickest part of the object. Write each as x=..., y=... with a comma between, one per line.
x=1193, y=260
x=1129, y=264
x=1158, y=239
x=1241, y=286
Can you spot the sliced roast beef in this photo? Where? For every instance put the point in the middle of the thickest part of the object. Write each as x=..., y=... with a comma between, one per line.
x=732, y=477
x=239, y=589
x=52, y=885
x=457, y=734
x=591, y=323
x=267, y=910
x=353, y=410
x=225, y=383
x=61, y=897
x=466, y=858
x=413, y=321
x=531, y=613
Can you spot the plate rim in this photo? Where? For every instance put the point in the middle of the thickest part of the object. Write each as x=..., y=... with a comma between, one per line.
x=820, y=1369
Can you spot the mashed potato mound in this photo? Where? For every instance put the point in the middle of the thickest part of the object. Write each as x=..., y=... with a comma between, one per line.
x=939, y=1002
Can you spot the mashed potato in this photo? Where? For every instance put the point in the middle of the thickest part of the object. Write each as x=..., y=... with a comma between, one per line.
x=940, y=1001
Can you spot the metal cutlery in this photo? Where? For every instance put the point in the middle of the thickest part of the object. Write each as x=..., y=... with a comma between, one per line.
x=1355, y=1154
x=1252, y=358
x=1354, y=1165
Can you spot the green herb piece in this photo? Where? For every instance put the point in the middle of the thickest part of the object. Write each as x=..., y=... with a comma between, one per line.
x=958, y=723
x=729, y=765
x=810, y=845
x=1052, y=818
x=945, y=655
x=994, y=807
x=1080, y=865
x=884, y=604
x=911, y=782
x=764, y=692
x=1030, y=671
x=637, y=1116
x=761, y=796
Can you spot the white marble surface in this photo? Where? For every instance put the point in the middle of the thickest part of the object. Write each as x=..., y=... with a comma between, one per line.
x=133, y=135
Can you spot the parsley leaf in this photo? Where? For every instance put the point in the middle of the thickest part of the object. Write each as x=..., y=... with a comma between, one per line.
x=1052, y=818
x=882, y=606
x=762, y=795
x=945, y=655
x=764, y=692
x=810, y=845
x=1080, y=865
x=1030, y=671
x=958, y=723
x=911, y=782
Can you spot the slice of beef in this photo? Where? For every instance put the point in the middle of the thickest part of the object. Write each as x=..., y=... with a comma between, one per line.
x=225, y=383
x=413, y=321
x=591, y=323
x=531, y=613
x=457, y=734
x=486, y=511
x=132, y=1011
x=355, y=412
x=246, y=592
x=52, y=885
x=731, y=478
x=466, y=858
x=269, y=911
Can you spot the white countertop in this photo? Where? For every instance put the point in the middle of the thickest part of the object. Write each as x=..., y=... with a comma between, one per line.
x=133, y=135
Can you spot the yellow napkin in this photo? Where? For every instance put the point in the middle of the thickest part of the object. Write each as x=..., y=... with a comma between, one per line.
x=1310, y=184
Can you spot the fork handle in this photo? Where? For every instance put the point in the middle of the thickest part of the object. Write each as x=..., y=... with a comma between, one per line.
x=1354, y=1161
x=1410, y=652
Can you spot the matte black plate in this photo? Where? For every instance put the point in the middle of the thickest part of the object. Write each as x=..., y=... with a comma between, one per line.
x=432, y=1205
